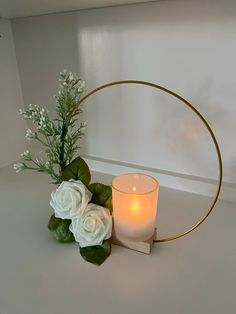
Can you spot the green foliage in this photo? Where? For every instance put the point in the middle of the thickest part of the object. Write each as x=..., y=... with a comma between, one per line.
x=96, y=254
x=101, y=194
x=59, y=140
x=108, y=204
x=77, y=170
x=53, y=223
x=58, y=137
x=60, y=229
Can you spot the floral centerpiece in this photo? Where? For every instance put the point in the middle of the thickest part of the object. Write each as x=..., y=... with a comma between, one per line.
x=82, y=211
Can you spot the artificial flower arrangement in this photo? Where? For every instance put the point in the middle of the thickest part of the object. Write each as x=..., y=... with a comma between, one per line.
x=82, y=211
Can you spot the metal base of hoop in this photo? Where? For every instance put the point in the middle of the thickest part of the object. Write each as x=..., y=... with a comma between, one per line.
x=143, y=247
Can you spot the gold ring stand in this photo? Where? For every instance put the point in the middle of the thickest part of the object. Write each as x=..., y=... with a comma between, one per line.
x=198, y=223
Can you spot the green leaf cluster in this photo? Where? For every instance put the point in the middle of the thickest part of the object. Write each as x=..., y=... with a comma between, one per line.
x=96, y=254
x=102, y=195
x=77, y=170
x=60, y=229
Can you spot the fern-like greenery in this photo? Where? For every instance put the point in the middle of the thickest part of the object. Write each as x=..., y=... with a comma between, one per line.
x=58, y=137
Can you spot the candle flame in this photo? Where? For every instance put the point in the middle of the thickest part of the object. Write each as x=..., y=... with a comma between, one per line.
x=135, y=207
x=134, y=188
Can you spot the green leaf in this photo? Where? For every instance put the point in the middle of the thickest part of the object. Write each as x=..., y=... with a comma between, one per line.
x=77, y=170
x=96, y=254
x=60, y=229
x=108, y=204
x=53, y=222
x=101, y=193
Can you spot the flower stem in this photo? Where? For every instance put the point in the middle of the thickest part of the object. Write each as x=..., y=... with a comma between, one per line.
x=62, y=151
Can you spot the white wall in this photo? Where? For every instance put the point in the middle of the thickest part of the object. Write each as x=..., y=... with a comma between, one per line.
x=187, y=46
x=12, y=128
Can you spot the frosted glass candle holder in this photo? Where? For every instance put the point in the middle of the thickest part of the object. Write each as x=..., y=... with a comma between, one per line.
x=134, y=198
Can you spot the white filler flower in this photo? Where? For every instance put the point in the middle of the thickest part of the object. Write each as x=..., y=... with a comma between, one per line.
x=70, y=199
x=30, y=135
x=19, y=167
x=93, y=226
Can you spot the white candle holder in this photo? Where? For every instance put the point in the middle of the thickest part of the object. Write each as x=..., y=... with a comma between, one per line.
x=135, y=199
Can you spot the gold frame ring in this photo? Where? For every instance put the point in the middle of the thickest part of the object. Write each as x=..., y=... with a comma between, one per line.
x=220, y=167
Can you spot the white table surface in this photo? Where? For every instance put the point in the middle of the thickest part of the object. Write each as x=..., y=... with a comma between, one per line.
x=192, y=275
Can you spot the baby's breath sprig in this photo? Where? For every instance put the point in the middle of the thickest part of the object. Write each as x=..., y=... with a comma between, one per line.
x=59, y=136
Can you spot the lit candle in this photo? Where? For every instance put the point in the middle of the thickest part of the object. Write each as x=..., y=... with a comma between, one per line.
x=134, y=198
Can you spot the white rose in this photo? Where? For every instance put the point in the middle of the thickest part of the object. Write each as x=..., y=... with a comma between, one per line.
x=93, y=226
x=70, y=199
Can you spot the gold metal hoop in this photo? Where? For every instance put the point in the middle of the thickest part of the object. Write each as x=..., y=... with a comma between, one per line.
x=220, y=168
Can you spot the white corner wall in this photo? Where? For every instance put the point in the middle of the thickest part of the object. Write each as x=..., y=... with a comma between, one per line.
x=12, y=128
x=187, y=46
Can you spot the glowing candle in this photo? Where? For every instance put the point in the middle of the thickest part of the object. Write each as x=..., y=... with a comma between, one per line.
x=134, y=198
